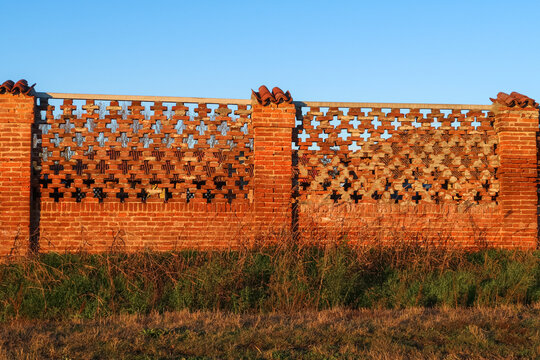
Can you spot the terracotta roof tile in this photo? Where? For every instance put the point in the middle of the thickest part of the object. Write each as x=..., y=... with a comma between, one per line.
x=514, y=99
x=6, y=86
x=277, y=96
x=20, y=87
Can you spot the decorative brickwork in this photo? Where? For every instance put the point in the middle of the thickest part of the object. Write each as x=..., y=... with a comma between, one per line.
x=403, y=157
x=159, y=176
x=200, y=156
x=129, y=174
x=376, y=174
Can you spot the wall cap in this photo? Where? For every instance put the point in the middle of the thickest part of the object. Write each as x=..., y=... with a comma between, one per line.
x=20, y=87
x=277, y=96
x=515, y=99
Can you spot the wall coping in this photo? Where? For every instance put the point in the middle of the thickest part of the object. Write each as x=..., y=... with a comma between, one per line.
x=393, y=105
x=166, y=99
x=174, y=99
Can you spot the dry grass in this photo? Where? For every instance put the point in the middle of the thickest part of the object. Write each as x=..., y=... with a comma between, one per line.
x=286, y=277
x=415, y=333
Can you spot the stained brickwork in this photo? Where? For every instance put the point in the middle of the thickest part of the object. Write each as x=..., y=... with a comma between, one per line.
x=402, y=156
x=517, y=126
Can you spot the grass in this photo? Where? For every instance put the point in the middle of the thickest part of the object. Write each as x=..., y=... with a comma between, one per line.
x=505, y=332
x=271, y=278
x=275, y=300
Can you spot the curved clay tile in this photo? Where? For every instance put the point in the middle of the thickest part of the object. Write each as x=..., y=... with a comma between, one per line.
x=277, y=96
x=280, y=96
x=514, y=99
x=266, y=95
x=6, y=87
x=21, y=87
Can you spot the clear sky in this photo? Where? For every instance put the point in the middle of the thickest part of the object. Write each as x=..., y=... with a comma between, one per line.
x=387, y=51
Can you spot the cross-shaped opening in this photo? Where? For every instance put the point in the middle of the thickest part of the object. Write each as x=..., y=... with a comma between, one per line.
x=122, y=195
x=241, y=183
x=56, y=195
x=78, y=195
x=209, y=196
x=335, y=196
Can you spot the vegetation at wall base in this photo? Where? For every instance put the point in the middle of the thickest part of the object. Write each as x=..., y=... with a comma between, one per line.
x=265, y=279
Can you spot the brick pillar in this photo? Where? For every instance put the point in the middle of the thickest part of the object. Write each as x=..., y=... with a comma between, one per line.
x=516, y=123
x=273, y=119
x=16, y=118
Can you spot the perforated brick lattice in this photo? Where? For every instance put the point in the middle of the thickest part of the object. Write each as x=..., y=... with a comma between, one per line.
x=398, y=156
x=130, y=153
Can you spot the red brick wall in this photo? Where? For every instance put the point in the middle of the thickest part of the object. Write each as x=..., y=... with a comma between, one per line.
x=273, y=126
x=497, y=208
x=517, y=129
x=204, y=194
x=467, y=185
x=16, y=118
x=372, y=223
x=96, y=227
x=265, y=211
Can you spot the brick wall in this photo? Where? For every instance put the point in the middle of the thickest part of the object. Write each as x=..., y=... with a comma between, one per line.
x=456, y=226
x=464, y=178
x=16, y=118
x=135, y=177
x=96, y=227
x=517, y=128
x=130, y=176
x=273, y=126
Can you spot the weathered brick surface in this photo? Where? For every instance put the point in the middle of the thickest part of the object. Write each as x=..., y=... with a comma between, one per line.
x=351, y=155
x=517, y=129
x=173, y=176
x=465, y=176
x=455, y=226
x=16, y=117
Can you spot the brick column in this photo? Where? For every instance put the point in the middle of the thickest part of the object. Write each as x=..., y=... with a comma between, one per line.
x=273, y=119
x=16, y=118
x=516, y=123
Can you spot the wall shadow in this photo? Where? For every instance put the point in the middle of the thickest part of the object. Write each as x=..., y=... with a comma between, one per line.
x=40, y=105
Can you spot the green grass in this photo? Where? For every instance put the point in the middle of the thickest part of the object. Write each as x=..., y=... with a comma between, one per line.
x=286, y=278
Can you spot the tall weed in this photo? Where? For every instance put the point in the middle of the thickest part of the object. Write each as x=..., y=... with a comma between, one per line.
x=279, y=275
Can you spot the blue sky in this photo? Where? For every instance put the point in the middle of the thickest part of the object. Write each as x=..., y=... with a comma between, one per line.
x=393, y=51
